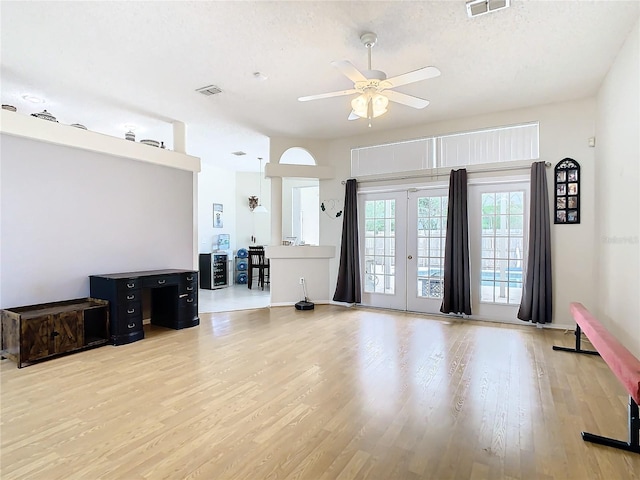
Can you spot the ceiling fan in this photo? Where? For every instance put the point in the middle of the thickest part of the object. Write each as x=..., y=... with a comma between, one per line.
x=374, y=87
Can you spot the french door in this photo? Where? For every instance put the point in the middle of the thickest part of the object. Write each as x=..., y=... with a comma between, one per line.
x=382, y=218
x=402, y=249
x=498, y=239
x=402, y=239
x=426, y=232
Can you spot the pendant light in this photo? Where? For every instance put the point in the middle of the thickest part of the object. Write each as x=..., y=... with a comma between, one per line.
x=260, y=208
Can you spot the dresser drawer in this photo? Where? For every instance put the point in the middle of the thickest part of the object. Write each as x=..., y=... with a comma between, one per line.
x=188, y=300
x=128, y=284
x=129, y=296
x=160, y=281
x=129, y=310
x=187, y=316
x=188, y=280
x=130, y=325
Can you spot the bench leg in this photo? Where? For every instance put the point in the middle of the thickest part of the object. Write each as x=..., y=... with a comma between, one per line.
x=577, y=349
x=633, y=445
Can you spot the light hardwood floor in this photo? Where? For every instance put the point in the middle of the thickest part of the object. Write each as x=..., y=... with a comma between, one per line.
x=232, y=298
x=332, y=393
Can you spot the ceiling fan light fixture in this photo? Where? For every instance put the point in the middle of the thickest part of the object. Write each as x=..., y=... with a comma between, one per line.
x=380, y=104
x=360, y=105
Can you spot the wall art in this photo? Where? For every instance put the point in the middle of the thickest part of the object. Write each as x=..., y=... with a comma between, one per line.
x=567, y=192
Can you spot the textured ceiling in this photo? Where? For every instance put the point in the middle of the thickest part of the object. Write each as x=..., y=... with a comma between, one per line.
x=108, y=64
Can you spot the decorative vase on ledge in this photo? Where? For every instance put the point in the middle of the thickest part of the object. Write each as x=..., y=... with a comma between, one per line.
x=45, y=116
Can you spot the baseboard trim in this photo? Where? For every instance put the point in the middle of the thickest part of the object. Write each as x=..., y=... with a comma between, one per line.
x=444, y=316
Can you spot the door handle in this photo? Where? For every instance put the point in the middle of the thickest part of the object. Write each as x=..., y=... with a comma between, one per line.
x=409, y=257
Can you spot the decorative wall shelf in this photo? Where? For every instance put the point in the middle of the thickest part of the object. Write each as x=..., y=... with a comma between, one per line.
x=20, y=125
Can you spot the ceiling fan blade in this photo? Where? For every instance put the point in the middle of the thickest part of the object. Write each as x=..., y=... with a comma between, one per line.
x=353, y=116
x=411, y=77
x=327, y=95
x=348, y=70
x=405, y=99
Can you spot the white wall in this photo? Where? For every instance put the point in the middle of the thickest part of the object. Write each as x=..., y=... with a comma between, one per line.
x=249, y=223
x=216, y=185
x=564, y=132
x=288, y=264
x=617, y=196
x=68, y=213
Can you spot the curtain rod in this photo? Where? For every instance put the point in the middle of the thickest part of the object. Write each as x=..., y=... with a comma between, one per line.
x=446, y=174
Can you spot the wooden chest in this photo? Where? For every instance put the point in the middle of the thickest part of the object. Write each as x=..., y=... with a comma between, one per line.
x=38, y=332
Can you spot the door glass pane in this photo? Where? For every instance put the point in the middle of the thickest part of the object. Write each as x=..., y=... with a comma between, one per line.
x=379, y=274
x=368, y=228
x=432, y=221
x=502, y=247
x=389, y=247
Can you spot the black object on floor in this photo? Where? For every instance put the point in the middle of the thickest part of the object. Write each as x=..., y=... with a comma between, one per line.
x=304, y=304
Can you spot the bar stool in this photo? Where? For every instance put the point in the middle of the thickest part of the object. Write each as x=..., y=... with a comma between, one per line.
x=257, y=261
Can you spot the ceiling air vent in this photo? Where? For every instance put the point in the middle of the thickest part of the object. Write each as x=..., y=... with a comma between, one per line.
x=210, y=90
x=239, y=153
x=480, y=7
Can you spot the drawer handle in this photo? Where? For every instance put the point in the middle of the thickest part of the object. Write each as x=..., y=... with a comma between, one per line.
x=131, y=285
x=161, y=282
x=131, y=325
x=130, y=297
x=131, y=310
x=190, y=278
x=189, y=300
x=189, y=289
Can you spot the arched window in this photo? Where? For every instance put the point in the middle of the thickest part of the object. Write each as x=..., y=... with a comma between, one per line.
x=297, y=156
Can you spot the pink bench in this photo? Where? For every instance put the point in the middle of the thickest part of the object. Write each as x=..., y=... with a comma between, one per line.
x=622, y=363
